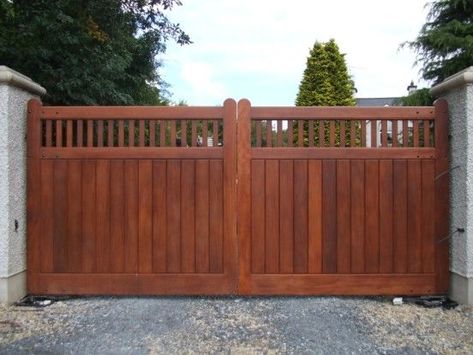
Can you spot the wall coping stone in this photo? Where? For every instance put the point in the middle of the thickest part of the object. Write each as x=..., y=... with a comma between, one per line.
x=12, y=77
x=456, y=80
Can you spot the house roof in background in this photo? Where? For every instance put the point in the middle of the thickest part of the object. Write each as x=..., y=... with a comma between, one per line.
x=376, y=101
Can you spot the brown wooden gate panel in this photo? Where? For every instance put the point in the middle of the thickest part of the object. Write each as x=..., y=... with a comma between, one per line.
x=130, y=201
x=328, y=207
x=301, y=200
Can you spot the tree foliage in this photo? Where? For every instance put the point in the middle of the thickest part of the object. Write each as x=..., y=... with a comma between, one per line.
x=92, y=52
x=419, y=97
x=444, y=45
x=326, y=81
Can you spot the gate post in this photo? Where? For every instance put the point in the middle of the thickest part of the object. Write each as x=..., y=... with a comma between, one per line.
x=457, y=90
x=15, y=92
x=244, y=194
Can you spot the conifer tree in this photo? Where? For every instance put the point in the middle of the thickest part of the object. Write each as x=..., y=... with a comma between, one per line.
x=326, y=81
x=445, y=42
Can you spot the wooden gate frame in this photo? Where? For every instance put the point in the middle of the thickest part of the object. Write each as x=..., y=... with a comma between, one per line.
x=237, y=277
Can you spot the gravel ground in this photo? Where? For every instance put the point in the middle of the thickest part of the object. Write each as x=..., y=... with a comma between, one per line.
x=234, y=325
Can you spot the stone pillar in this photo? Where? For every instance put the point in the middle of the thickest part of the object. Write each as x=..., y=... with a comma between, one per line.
x=458, y=91
x=15, y=91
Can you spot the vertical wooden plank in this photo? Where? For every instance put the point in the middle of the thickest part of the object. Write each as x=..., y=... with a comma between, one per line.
x=374, y=133
x=162, y=133
x=80, y=133
x=272, y=217
x=117, y=216
x=173, y=240
x=60, y=216
x=279, y=137
x=332, y=133
x=152, y=133
x=300, y=217
x=205, y=133
x=47, y=211
x=441, y=197
x=145, y=217
x=258, y=216
x=90, y=133
x=194, y=133
x=386, y=217
x=245, y=207
x=286, y=215
x=216, y=216
x=405, y=133
x=110, y=133
x=141, y=133
x=59, y=142
x=343, y=217
x=230, y=192
x=159, y=216
x=428, y=216
x=342, y=133
x=329, y=222
x=395, y=132
x=103, y=210
x=131, y=133
x=321, y=133
x=311, y=133
x=121, y=133
x=290, y=133
x=416, y=133
x=202, y=216
x=414, y=205
x=100, y=133
x=372, y=216
x=300, y=133
x=33, y=192
x=384, y=133
x=400, y=215
x=74, y=216
x=131, y=215
x=315, y=216
x=269, y=133
x=69, y=133
x=188, y=248
x=357, y=179
x=48, y=133
x=89, y=222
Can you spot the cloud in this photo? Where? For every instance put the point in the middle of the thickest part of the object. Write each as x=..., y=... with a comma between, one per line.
x=258, y=49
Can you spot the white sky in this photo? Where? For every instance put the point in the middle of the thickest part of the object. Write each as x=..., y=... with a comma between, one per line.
x=258, y=48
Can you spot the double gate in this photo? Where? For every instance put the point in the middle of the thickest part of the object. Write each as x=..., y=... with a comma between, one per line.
x=237, y=200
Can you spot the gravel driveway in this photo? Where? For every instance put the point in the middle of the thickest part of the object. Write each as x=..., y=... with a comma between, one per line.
x=234, y=325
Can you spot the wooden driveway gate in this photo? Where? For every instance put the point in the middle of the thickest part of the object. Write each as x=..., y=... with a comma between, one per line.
x=237, y=200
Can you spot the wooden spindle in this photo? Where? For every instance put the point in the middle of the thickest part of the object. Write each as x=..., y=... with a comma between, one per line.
x=342, y=133
x=100, y=133
x=131, y=133
x=332, y=133
x=141, y=133
x=269, y=133
x=363, y=133
x=110, y=133
x=300, y=133
x=205, y=133
x=405, y=133
x=311, y=133
x=215, y=133
x=258, y=133
x=384, y=133
x=184, y=133
x=162, y=133
x=90, y=133
x=290, y=133
x=194, y=134
x=426, y=133
x=48, y=133
x=321, y=133
x=58, y=133
x=121, y=133
x=394, y=134
x=152, y=133
x=352, y=134
x=69, y=133
x=279, y=134
x=374, y=133
x=173, y=133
